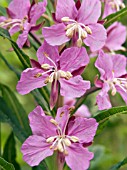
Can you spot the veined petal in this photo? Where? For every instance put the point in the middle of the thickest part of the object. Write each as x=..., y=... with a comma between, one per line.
x=108, y=10
x=19, y=8
x=83, y=128
x=28, y=82
x=50, y=51
x=83, y=111
x=35, y=149
x=102, y=98
x=78, y=157
x=23, y=37
x=37, y=10
x=40, y=123
x=55, y=35
x=63, y=116
x=75, y=87
x=97, y=39
x=89, y=12
x=118, y=31
x=13, y=30
x=73, y=58
x=66, y=9
x=104, y=65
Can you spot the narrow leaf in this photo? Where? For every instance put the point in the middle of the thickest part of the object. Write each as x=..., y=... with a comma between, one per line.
x=115, y=17
x=9, y=153
x=119, y=165
x=5, y=165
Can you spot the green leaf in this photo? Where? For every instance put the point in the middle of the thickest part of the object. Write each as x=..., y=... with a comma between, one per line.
x=21, y=55
x=19, y=114
x=106, y=114
x=118, y=165
x=115, y=17
x=2, y=11
x=9, y=153
x=8, y=116
x=5, y=165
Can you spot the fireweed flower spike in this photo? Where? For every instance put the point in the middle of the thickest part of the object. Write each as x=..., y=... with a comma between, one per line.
x=23, y=17
x=112, y=6
x=78, y=23
x=52, y=68
x=113, y=77
x=68, y=136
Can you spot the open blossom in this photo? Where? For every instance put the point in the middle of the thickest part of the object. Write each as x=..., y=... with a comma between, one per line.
x=68, y=136
x=77, y=22
x=113, y=77
x=22, y=16
x=63, y=70
x=112, y=6
x=116, y=36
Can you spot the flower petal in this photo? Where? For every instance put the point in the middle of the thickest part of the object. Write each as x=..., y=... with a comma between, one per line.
x=49, y=50
x=75, y=87
x=55, y=35
x=40, y=123
x=66, y=9
x=83, y=111
x=89, y=12
x=28, y=82
x=97, y=39
x=83, y=128
x=108, y=10
x=104, y=65
x=13, y=30
x=102, y=98
x=35, y=149
x=19, y=8
x=23, y=37
x=73, y=58
x=118, y=31
x=78, y=157
x=37, y=10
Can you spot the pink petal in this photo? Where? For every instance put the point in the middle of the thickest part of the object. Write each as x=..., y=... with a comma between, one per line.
x=19, y=8
x=122, y=93
x=23, y=37
x=63, y=116
x=75, y=87
x=83, y=128
x=89, y=11
x=37, y=10
x=49, y=50
x=2, y=18
x=108, y=10
x=103, y=100
x=119, y=64
x=13, y=30
x=97, y=39
x=35, y=149
x=55, y=35
x=65, y=9
x=73, y=58
x=118, y=31
x=83, y=111
x=104, y=65
x=78, y=157
x=28, y=82
x=40, y=123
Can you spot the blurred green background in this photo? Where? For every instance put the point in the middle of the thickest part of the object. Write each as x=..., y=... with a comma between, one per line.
x=110, y=146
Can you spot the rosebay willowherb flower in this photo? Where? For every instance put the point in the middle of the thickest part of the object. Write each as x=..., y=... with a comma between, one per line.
x=23, y=17
x=113, y=77
x=54, y=68
x=112, y=6
x=68, y=136
x=77, y=22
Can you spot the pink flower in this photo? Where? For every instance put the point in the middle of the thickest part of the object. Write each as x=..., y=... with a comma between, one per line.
x=23, y=17
x=112, y=6
x=79, y=22
x=113, y=77
x=116, y=36
x=68, y=136
x=52, y=68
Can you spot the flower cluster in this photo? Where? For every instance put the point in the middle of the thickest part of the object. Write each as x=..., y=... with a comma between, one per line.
x=62, y=59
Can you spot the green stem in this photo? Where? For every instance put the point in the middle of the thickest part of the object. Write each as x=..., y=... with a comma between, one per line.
x=83, y=98
x=35, y=38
